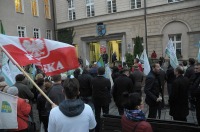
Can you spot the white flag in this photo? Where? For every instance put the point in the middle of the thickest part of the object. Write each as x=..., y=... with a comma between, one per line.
x=8, y=113
x=146, y=63
x=171, y=53
x=137, y=56
x=87, y=62
x=108, y=74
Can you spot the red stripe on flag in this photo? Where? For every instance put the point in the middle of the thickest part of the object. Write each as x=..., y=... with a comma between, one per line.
x=60, y=60
x=20, y=56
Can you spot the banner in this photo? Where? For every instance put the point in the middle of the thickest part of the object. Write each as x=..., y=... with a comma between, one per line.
x=8, y=111
x=171, y=53
x=51, y=56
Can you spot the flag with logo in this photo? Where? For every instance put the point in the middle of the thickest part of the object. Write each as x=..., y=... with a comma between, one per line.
x=51, y=56
x=100, y=62
x=8, y=112
x=171, y=53
x=146, y=62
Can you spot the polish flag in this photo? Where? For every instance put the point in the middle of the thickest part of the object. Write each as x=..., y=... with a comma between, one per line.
x=51, y=56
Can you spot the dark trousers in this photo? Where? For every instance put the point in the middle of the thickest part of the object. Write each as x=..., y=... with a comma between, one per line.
x=198, y=110
x=98, y=108
x=120, y=109
x=44, y=120
x=153, y=111
x=179, y=118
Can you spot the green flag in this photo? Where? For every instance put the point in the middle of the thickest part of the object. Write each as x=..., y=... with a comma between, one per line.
x=2, y=31
x=100, y=62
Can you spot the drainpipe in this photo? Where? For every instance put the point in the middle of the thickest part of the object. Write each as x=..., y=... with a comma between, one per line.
x=145, y=23
x=54, y=19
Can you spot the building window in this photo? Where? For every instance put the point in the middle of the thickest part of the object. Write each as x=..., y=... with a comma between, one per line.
x=36, y=33
x=112, y=7
x=176, y=39
x=171, y=1
x=48, y=34
x=19, y=6
x=34, y=7
x=71, y=10
x=135, y=4
x=21, y=31
x=90, y=8
x=47, y=9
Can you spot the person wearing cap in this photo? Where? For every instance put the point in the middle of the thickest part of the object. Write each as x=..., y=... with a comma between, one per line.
x=122, y=84
x=23, y=110
x=24, y=91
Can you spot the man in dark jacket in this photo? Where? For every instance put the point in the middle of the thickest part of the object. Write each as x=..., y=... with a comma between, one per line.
x=85, y=90
x=122, y=84
x=195, y=91
x=153, y=90
x=56, y=93
x=179, y=96
x=24, y=90
x=101, y=95
x=137, y=78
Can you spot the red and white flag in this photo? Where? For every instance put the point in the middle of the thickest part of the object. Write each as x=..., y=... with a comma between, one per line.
x=51, y=56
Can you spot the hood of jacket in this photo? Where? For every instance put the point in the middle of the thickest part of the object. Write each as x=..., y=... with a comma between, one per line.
x=72, y=107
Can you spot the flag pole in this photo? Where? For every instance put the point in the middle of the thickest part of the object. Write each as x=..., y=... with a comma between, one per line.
x=9, y=56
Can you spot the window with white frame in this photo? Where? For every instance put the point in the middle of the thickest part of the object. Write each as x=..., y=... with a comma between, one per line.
x=21, y=31
x=171, y=1
x=135, y=4
x=47, y=9
x=36, y=32
x=71, y=10
x=34, y=7
x=112, y=7
x=90, y=8
x=176, y=39
x=48, y=34
x=19, y=6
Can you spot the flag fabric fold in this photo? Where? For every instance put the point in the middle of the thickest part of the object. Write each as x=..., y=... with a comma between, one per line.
x=8, y=112
x=2, y=31
x=146, y=62
x=100, y=62
x=171, y=53
x=51, y=56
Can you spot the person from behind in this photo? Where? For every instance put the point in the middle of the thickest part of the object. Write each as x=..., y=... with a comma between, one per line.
x=23, y=110
x=179, y=96
x=72, y=115
x=133, y=119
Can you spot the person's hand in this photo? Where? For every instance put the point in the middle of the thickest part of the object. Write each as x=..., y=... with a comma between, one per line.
x=53, y=105
x=159, y=99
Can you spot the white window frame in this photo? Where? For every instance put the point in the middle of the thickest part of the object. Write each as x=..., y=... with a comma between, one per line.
x=136, y=4
x=173, y=1
x=21, y=30
x=90, y=4
x=175, y=42
x=49, y=10
x=39, y=34
x=22, y=2
x=48, y=34
x=112, y=7
x=72, y=9
x=36, y=9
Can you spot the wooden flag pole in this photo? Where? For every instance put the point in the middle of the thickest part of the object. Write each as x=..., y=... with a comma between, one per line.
x=9, y=56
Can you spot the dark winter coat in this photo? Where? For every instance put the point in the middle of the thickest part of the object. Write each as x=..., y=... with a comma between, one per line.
x=85, y=82
x=101, y=87
x=122, y=84
x=189, y=72
x=170, y=77
x=195, y=86
x=152, y=88
x=137, y=77
x=179, y=97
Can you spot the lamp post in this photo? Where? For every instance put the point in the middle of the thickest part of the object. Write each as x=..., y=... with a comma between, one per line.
x=145, y=24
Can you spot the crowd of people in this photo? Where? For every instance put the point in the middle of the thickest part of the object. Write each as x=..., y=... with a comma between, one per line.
x=81, y=98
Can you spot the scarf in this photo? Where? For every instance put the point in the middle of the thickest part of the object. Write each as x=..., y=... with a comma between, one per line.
x=135, y=115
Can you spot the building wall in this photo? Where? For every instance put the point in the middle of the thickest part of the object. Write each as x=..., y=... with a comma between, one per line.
x=163, y=18
x=11, y=19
